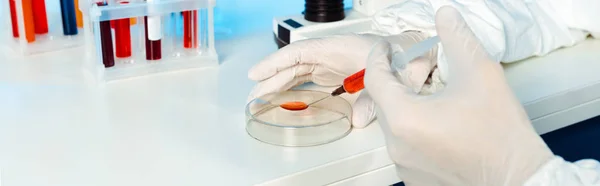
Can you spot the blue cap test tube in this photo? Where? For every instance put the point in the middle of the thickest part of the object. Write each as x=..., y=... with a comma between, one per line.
x=69, y=19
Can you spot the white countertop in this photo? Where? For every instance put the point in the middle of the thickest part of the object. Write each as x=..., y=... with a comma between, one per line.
x=187, y=127
x=180, y=128
x=565, y=83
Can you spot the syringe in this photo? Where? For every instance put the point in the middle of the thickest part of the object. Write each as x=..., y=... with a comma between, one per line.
x=400, y=59
x=351, y=85
x=355, y=82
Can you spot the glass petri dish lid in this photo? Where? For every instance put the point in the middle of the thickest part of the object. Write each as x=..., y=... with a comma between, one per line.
x=322, y=122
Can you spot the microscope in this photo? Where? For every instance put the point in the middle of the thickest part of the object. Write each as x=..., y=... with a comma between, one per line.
x=327, y=17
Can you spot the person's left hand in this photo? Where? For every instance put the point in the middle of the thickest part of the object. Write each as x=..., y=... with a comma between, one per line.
x=323, y=61
x=328, y=61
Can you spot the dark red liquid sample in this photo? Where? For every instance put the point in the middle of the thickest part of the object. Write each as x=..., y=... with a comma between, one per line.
x=108, y=57
x=294, y=106
x=39, y=16
x=153, y=48
x=190, y=32
x=13, y=18
x=123, y=38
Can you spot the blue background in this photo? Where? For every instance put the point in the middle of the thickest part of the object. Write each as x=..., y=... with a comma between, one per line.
x=241, y=17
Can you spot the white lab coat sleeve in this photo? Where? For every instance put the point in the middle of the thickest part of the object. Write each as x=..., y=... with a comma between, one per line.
x=558, y=172
x=579, y=14
x=509, y=30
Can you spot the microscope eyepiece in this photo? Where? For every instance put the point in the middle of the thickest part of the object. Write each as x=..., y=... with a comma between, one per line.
x=324, y=10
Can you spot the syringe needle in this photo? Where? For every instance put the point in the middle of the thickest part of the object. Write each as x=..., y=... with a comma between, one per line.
x=320, y=100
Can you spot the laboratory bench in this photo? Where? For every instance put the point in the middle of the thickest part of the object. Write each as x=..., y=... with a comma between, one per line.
x=187, y=127
x=59, y=127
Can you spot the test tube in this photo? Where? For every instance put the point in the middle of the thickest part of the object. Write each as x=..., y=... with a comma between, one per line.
x=195, y=28
x=28, y=21
x=39, y=16
x=123, y=36
x=13, y=18
x=69, y=17
x=108, y=58
x=153, y=31
x=133, y=22
x=190, y=32
x=78, y=15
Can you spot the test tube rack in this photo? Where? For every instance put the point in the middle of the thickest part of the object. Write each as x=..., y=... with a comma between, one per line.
x=134, y=38
x=37, y=26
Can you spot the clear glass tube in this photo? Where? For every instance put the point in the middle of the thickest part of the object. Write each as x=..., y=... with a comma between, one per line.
x=203, y=30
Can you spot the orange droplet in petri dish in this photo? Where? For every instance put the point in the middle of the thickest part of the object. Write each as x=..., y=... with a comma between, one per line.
x=294, y=105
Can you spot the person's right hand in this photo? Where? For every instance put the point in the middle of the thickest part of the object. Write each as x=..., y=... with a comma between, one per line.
x=473, y=132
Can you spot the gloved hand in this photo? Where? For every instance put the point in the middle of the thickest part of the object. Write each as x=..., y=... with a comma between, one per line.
x=474, y=132
x=323, y=61
x=327, y=61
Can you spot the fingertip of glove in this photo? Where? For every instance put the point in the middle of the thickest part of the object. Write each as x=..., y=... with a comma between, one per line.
x=266, y=67
x=363, y=119
x=446, y=17
x=360, y=122
x=256, y=92
x=363, y=111
x=256, y=73
x=250, y=97
x=252, y=75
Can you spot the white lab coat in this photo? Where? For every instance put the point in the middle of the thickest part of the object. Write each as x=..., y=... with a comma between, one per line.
x=509, y=30
x=512, y=30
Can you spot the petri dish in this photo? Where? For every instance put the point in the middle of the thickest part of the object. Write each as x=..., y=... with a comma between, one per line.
x=322, y=122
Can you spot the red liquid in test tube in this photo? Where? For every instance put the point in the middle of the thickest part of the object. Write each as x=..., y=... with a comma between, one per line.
x=39, y=16
x=13, y=18
x=189, y=29
x=123, y=36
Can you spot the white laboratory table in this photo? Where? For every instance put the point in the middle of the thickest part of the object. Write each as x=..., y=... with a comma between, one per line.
x=187, y=127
